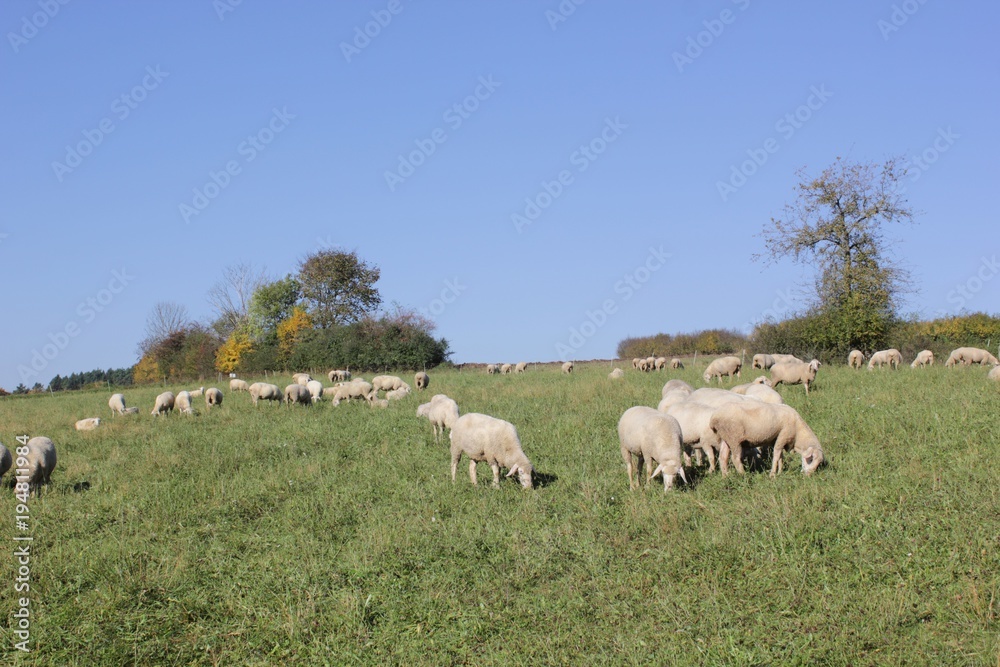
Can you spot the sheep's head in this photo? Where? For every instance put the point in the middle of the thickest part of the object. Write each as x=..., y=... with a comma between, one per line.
x=764, y=380
x=707, y=376
x=814, y=365
x=524, y=472
x=812, y=457
x=669, y=470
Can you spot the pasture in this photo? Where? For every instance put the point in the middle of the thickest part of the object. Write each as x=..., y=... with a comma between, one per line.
x=334, y=536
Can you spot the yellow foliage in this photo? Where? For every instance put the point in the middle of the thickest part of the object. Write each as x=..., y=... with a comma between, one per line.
x=146, y=370
x=227, y=357
x=289, y=330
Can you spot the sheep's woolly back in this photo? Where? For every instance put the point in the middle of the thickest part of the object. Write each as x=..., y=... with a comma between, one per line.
x=164, y=403
x=117, y=403
x=676, y=385
x=213, y=396
x=238, y=385
x=485, y=438
x=88, y=424
x=796, y=372
x=723, y=366
x=6, y=460
x=761, y=392
x=715, y=397
x=994, y=374
x=757, y=424
x=41, y=461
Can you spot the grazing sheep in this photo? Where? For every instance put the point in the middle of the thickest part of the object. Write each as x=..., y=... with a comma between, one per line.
x=923, y=358
x=693, y=418
x=972, y=355
x=506, y=369
x=649, y=434
x=723, y=366
x=762, y=361
x=485, y=438
x=756, y=424
x=238, y=385
x=183, y=403
x=421, y=380
x=763, y=392
x=117, y=404
x=164, y=403
x=263, y=391
x=714, y=397
x=301, y=378
x=131, y=411
x=644, y=365
x=856, y=359
x=882, y=357
x=635, y=363
x=396, y=394
x=661, y=363
x=491, y=369
x=676, y=385
x=785, y=358
x=88, y=424
x=994, y=374
x=339, y=376
x=388, y=383
x=315, y=389
x=742, y=388
x=213, y=397
x=953, y=358
x=354, y=389
x=6, y=460
x=296, y=393
x=442, y=413
x=567, y=367
x=795, y=373
x=521, y=367
x=197, y=392
x=616, y=374
x=38, y=462
x=676, y=363
x=379, y=403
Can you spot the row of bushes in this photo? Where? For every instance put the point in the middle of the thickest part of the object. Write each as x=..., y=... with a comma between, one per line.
x=710, y=341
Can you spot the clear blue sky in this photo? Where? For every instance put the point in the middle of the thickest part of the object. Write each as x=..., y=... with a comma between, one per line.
x=202, y=85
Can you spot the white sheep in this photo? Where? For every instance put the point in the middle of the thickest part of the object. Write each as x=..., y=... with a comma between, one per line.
x=635, y=363
x=397, y=394
x=131, y=411
x=742, y=388
x=379, y=403
x=892, y=357
x=729, y=366
x=117, y=404
x=923, y=358
x=974, y=355
x=953, y=358
x=442, y=413
x=567, y=367
x=485, y=438
x=644, y=365
x=616, y=374
x=521, y=367
x=785, y=358
x=491, y=369
x=238, y=385
x=88, y=424
x=676, y=385
x=661, y=363
x=183, y=403
x=264, y=391
x=506, y=369
x=164, y=403
x=197, y=392
x=649, y=434
x=676, y=363
x=763, y=392
x=339, y=375
x=994, y=374
x=387, y=383
x=795, y=372
x=756, y=424
x=38, y=460
x=696, y=432
x=856, y=359
x=762, y=361
x=213, y=396
x=301, y=378
x=714, y=397
x=354, y=389
x=421, y=380
x=315, y=389
x=6, y=460
x=296, y=393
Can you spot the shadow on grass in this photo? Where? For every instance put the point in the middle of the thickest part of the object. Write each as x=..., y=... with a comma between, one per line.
x=542, y=480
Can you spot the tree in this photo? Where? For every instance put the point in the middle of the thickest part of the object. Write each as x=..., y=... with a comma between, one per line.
x=290, y=331
x=231, y=296
x=271, y=304
x=837, y=225
x=166, y=318
x=338, y=287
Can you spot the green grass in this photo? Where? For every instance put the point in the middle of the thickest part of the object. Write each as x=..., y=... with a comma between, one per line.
x=335, y=536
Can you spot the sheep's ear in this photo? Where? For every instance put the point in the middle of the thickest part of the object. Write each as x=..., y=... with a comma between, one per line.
x=512, y=471
x=683, y=476
x=659, y=469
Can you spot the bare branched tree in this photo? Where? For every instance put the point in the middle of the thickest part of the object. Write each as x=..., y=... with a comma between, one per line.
x=165, y=319
x=230, y=297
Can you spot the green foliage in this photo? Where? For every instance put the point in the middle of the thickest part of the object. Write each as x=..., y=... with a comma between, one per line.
x=709, y=341
x=117, y=377
x=338, y=287
x=270, y=305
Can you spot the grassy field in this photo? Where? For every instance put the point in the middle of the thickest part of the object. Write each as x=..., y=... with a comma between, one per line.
x=334, y=536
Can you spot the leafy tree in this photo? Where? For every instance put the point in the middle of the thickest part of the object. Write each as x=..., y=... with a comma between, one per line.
x=271, y=304
x=231, y=353
x=290, y=332
x=20, y=389
x=338, y=287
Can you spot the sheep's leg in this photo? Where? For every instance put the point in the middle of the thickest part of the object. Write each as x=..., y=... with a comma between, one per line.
x=737, y=456
x=779, y=448
x=724, y=457
x=472, y=472
x=710, y=454
x=627, y=457
x=495, y=467
x=455, y=456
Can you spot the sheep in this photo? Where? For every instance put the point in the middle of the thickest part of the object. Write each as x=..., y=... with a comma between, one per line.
x=506, y=369
x=441, y=411
x=756, y=424
x=521, y=367
x=616, y=374
x=238, y=385
x=301, y=379
x=763, y=392
x=197, y=392
x=723, y=366
x=339, y=376
x=88, y=424
x=649, y=434
x=676, y=363
x=661, y=363
x=296, y=393
x=6, y=460
x=131, y=411
x=676, y=385
x=795, y=373
x=164, y=403
x=354, y=389
x=693, y=418
x=213, y=397
x=785, y=358
x=396, y=394
x=117, y=404
x=923, y=358
x=421, y=380
x=485, y=438
x=183, y=403
x=388, y=383
x=315, y=389
x=953, y=358
x=856, y=359
x=643, y=365
x=491, y=369
x=264, y=391
x=882, y=357
x=379, y=403
x=742, y=388
x=567, y=367
x=38, y=460
x=762, y=361
x=635, y=363
x=972, y=355
x=651, y=362
x=994, y=375
x=714, y=397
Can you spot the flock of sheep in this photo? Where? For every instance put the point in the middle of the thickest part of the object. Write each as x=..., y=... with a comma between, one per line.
x=747, y=420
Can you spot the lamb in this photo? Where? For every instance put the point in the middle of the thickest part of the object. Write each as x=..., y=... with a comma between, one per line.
x=616, y=374
x=396, y=394
x=301, y=378
x=723, y=366
x=923, y=358
x=742, y=388
x=88, y=424
x=661, y=363
x=442, y=413
x=506, y=369
x=263, y=391
x=197, y=392
x=296, y=393
x=213, y=397
x=183, y=403
x=882, y=357
x=38, y=460
x=491, y=369
x=856, y=359
x=649, y=434
x=354, y=389
x=339, y=376
x=994, y=375
x=676, y=363
x=238, y=385
x=117, y=404
x=693, y=418
x=315, y=389
x=762, y=361
x=6, y=460
x=485, y=438
x=795, y=373
x=567, y=367
x=756, y=424
x=164, y=403
x=421, y=380
x=521, y=367
x=388, y=383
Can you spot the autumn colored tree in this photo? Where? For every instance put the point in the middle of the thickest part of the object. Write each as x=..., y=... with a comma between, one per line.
x=227, y=357
x=290, y=330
